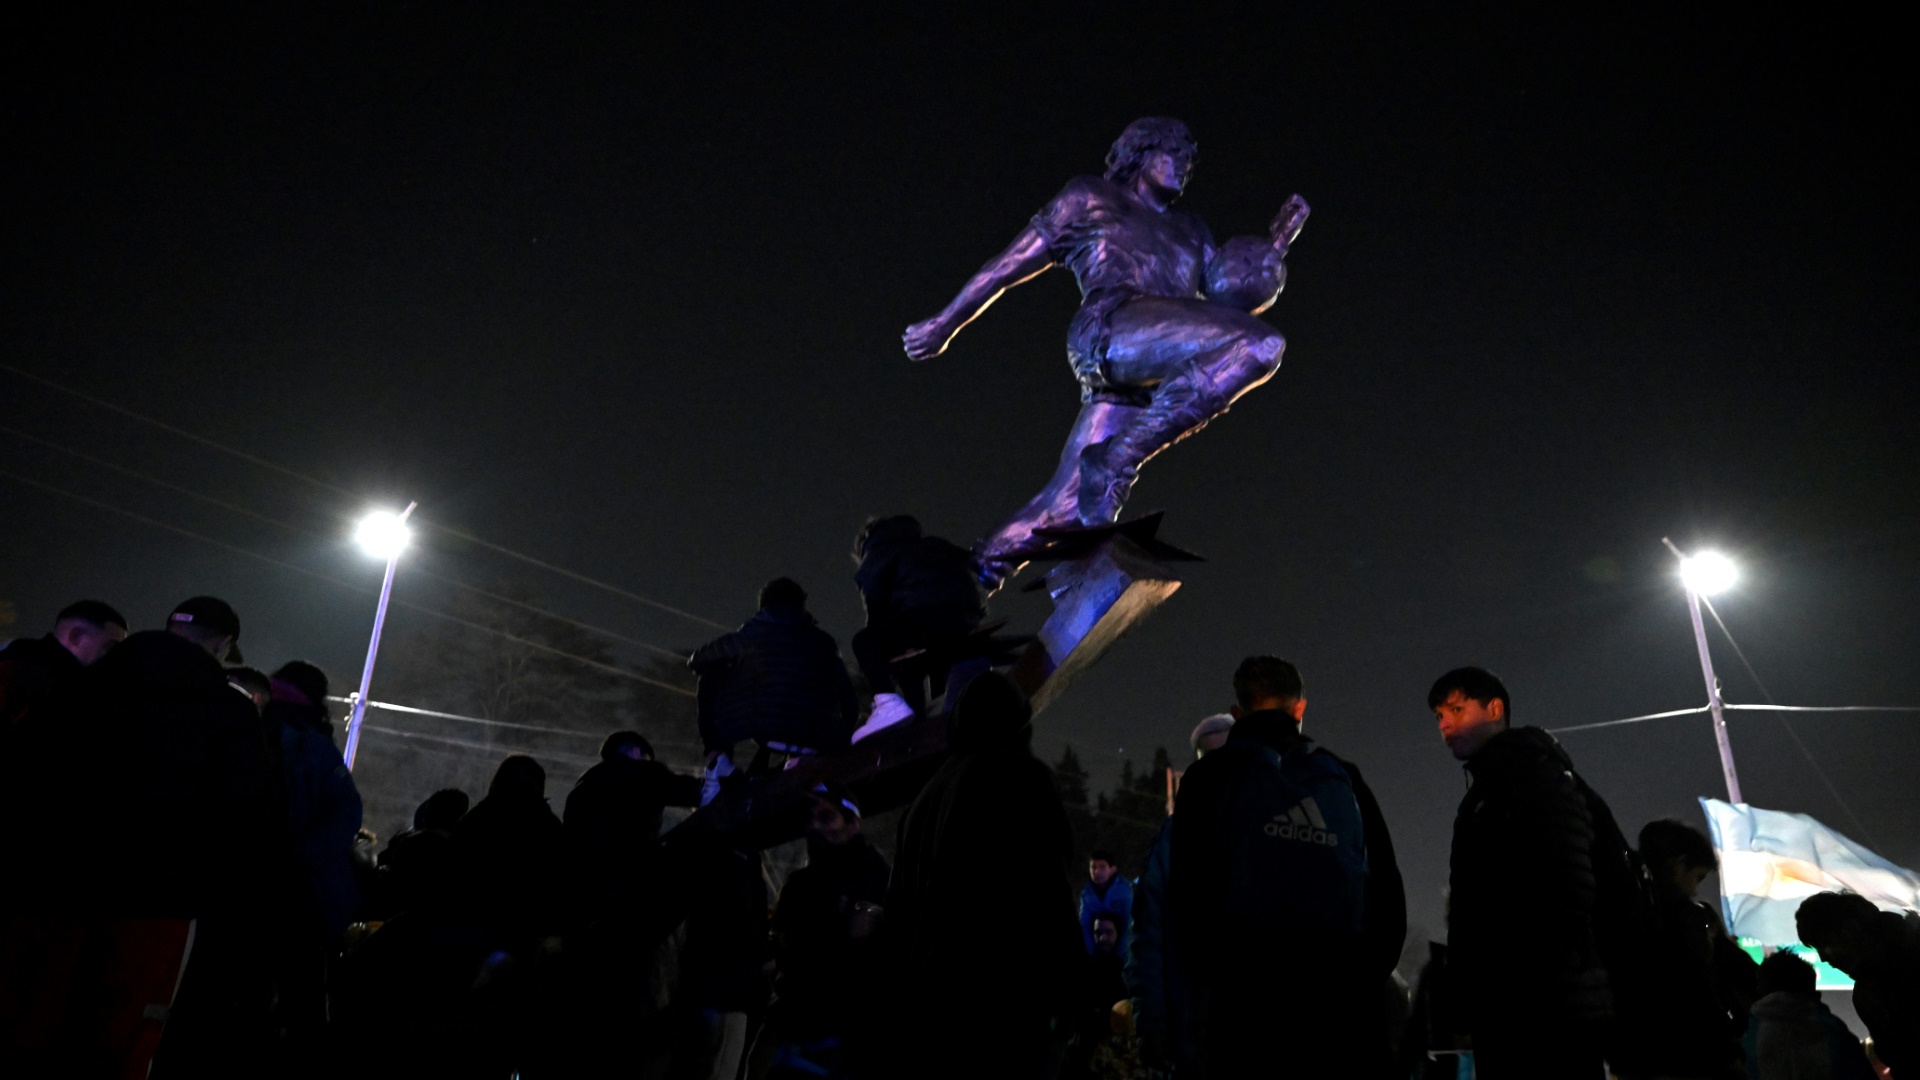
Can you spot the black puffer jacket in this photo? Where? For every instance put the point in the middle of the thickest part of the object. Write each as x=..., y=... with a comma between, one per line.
x=1685, y=1008
x=1524, y=939
x=122, y=783
x=778, y=677
x=901, y=570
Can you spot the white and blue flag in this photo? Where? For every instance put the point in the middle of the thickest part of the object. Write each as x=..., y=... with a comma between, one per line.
x=1771, y=860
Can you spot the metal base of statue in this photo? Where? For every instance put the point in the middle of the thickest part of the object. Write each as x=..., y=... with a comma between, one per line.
x=1105, y=581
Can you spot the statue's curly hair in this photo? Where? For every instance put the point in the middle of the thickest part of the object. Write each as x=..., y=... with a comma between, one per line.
x=1142, y=137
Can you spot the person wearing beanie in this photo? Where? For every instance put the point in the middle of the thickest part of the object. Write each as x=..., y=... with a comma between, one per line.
x=1210, y=734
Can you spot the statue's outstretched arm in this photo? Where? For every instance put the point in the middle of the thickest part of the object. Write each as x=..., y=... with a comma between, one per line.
x=1023, y=260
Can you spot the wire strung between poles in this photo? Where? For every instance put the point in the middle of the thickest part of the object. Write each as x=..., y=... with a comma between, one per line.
x=344, y=493
x=223, y=545
x=1742, y=708
x=415, y=571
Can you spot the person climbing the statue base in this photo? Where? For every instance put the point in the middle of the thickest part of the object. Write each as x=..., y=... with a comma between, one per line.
x=921, y=597
x=777, y=680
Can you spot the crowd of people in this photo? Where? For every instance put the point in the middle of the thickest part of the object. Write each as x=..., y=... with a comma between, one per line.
x=199, y=899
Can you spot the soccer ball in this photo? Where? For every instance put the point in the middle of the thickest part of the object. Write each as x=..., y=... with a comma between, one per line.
x=1246, y=273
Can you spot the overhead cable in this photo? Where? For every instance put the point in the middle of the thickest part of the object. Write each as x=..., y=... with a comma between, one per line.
x=1827, y=708
x=1628, y=720
x=469, y=744
x=1742, y=708
x=413, y=711
x=338, y=490
x=289, y=527
x=609, y=668
x=419, y=571
x=1805, y=752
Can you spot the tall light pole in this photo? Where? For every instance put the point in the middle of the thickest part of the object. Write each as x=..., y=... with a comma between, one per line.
x=382, y=534
x=1704, y=574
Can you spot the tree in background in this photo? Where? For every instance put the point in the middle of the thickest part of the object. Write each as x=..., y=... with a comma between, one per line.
x=1070, y=779
x=527, y=670
x=666, y=717
x=1123, y=820
x=549, y=688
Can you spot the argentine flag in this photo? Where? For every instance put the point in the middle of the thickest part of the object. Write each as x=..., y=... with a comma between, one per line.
x=1770, y=861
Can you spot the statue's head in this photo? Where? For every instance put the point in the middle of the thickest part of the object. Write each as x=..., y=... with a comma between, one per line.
x=1143, y=140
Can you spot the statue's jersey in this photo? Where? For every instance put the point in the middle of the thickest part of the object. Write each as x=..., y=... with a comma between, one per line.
x=1117, y=250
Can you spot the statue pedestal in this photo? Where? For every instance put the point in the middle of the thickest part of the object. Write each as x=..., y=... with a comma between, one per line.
x=1097, y=598
x=1106, y=581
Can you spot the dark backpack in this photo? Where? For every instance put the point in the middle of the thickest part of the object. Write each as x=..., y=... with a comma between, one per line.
x=1625, y=923
x=1623, y=900
x=1294, y=855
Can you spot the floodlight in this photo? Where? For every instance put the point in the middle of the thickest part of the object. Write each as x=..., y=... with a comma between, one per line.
x=382, y=534
x=1708, y=572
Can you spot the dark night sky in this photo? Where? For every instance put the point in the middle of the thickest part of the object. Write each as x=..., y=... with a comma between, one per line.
x=626, y=293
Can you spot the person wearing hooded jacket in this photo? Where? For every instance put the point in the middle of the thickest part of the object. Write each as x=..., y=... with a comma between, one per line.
x=414, y=867
x=920, y=592
x=323, y=804
x=981, y=942
x=509, y=857
x=320, y=896
x=1534, y=849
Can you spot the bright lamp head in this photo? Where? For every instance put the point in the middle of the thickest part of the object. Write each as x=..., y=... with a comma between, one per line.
x=382, y=534
x=1708, y=573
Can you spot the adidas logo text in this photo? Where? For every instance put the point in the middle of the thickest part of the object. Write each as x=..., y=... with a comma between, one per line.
x=1303, y=823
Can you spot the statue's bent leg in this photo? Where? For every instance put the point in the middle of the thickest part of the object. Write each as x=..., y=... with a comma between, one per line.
x=1199, y=358
x=1057, y=503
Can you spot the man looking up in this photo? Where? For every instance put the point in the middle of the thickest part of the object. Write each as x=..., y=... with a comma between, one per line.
x=1281, y=865
x=210, y=623
x=1528, y=842
x=32, y=668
